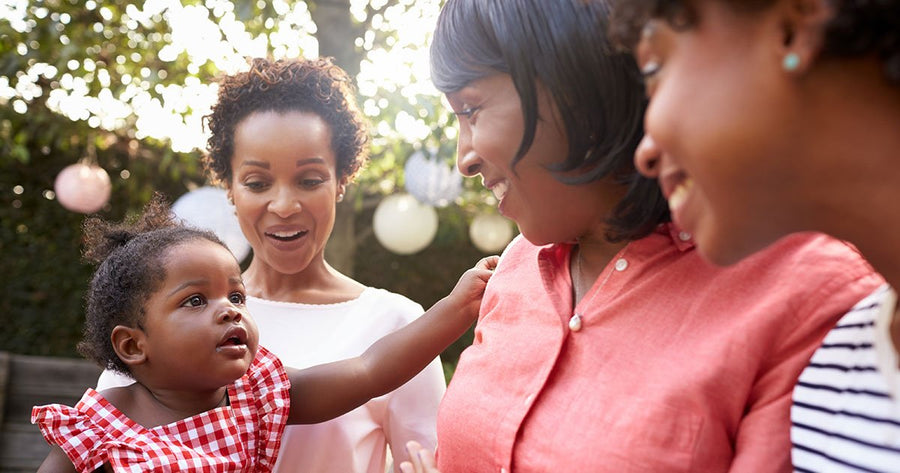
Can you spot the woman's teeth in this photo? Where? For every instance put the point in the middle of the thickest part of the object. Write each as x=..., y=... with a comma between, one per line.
x=680, y=194
x=286, y=235
x=499, y=190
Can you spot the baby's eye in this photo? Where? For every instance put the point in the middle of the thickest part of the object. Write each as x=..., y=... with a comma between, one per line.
x=194, y=301
x=237, y=298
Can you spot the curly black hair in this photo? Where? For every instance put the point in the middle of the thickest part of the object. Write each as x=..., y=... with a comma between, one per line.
x=858, y=28
x=130, y=259
x=307, y=85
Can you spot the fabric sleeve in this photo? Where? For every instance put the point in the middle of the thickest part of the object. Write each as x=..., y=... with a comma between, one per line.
x=272, y=394
x=84, y=442
x=763, y=440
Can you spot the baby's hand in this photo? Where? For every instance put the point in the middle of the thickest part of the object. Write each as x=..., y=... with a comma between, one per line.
x=469, y=290
x=421, y=460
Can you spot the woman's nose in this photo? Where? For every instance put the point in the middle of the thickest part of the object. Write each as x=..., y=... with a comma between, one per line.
x=647, y=156
x=467, y=160
x=284, y=203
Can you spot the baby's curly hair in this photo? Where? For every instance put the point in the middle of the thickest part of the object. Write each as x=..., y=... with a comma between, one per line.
x=307, y=85
x=131, y=269
x=858, y=28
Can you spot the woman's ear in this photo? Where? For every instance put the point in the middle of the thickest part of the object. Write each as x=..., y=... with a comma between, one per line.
x=341, y=188
x=128, y=343
x=803, y=28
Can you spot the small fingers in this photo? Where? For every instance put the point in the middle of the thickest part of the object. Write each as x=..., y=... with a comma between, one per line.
x=488, y=262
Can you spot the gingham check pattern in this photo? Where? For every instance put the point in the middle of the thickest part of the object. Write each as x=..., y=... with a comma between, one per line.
x=241, y=437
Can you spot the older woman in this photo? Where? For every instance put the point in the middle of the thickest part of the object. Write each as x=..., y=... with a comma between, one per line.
x=605, y=343
x=286, y=139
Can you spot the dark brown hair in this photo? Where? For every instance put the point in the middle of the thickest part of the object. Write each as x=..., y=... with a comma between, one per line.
x=561, y=45
x=306, y=85
x=130, y=269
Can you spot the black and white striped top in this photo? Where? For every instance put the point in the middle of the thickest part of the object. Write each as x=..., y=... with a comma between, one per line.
x=846, y=411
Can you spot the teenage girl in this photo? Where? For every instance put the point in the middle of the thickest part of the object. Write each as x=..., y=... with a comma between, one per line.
x=167, y=307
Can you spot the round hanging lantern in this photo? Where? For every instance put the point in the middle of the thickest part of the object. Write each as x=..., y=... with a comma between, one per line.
x=404, y=225
x=82, y=188
x=431, y=180
x=490, y=232
x=208, y=208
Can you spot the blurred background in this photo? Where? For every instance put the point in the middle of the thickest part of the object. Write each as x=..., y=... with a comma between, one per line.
x=101, y=104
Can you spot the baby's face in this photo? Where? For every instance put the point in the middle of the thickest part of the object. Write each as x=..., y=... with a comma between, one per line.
x=198, y=333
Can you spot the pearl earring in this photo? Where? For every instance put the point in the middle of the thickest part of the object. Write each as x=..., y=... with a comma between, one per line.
x=791, y=62
x=340, y=197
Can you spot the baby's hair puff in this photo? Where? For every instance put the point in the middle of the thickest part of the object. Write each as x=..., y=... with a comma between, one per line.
x=130, y=259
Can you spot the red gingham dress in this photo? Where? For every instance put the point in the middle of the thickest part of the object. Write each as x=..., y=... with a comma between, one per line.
x=241, y=437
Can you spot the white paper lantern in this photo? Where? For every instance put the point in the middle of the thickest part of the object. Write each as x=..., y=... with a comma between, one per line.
x=490, y=232
x=404, y=225
x=83, y=188
x=208, y=208
x=431, y=180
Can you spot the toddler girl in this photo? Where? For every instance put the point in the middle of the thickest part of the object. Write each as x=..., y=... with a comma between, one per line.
x=166, y=306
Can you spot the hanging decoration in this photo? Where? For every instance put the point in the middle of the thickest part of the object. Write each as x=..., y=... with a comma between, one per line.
x=490, y=233
x=83, y=188
x=208, y=208
x=404, y=225
x=431, y=180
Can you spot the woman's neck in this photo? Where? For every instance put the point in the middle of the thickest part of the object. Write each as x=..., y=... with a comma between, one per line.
x=318, y=283
x=590, y=256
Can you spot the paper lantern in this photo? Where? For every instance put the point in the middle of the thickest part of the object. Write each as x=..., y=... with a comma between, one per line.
x=208, y=208
x=431, y=180
x=404, y=225
x=82, y=188
x=490, y=232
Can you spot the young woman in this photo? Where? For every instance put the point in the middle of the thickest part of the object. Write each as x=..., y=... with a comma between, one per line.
x=604, y=342
x=779, y=116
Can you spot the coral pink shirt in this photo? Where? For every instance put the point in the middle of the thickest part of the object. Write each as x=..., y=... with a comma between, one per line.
x=678, y=366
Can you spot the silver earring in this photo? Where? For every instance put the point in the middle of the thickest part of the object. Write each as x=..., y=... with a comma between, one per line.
x=340, y=197
x=791, y=62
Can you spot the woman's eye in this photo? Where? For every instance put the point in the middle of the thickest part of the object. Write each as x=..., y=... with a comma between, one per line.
x=194, y=301
x=312, y=182
x=467, y=112
x=649, y=73
x=255, y=185
x=650, y=69
x=237, y=298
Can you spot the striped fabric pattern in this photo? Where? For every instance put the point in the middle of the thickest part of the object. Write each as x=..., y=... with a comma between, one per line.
x=846, y=409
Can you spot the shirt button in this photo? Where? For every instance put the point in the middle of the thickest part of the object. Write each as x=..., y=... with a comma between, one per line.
x=684, y=236
x=575, y=323
x=502, y=470
x=621, y=264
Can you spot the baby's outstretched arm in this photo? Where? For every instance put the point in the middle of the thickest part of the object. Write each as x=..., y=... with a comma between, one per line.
x=323, y=392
